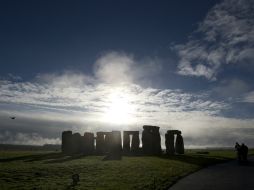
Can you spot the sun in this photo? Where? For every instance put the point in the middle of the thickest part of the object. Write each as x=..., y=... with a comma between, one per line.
x=120, y=109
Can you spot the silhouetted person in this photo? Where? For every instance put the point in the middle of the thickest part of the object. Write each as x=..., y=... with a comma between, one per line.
x=239, y=150
x=75, y=179
x=244, y=152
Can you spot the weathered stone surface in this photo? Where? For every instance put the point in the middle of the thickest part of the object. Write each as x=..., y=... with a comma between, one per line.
x=151, y=140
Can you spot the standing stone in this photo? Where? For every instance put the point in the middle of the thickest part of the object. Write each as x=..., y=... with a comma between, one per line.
x=67, y=142
x=179, y=144
x=88, y=143
x=151, y=140
x=115, y=142
x=76, y=143
x=100, y=143
x=126, y=141
x=135, y=142
x=107, y=141
x=170, y=141
x=157, y=141
x=146, y=141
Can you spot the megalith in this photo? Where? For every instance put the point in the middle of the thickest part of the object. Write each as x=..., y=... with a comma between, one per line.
x=151, y=140
x=76, y=143
x=179, y=144
x=67, y=142
x=174, y=146
x=126, y=141
x=135, y=142
x=88, y=143
x=115, y=144
x=100, y=143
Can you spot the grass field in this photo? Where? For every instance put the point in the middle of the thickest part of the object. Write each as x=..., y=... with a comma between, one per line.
x=52, y=170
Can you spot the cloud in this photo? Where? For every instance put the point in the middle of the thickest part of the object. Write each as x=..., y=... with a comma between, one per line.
x=118, y=67
x=44, y=108
x=231, y=88
x=226, y=36
x=7, y=137
x=114, y=68
x=248, y=97
x=53, y=102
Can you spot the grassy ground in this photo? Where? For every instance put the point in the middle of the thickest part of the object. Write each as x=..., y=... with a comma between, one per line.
x=51, y=170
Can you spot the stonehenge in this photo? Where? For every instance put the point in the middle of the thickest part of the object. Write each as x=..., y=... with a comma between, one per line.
x=174, y=146
x=111, y=143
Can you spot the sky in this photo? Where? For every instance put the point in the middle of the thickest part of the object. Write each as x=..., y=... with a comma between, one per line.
x=118, y=65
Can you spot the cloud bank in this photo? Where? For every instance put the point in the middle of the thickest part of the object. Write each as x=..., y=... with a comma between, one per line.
x=226, y=36
x=54, y=102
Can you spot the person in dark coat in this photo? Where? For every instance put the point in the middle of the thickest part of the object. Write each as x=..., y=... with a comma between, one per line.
x=244, y=152
x=238, y=150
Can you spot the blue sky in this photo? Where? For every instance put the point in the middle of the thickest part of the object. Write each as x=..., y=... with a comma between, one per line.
x=98, y=66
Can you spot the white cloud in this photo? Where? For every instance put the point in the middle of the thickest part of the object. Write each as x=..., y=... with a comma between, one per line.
x=225, y=36
x=53, y=108
x=55, y=102
x=117, y=68
x=114, y=68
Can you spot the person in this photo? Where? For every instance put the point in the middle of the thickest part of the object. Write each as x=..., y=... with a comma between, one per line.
x=238, y=149
x=244, y=150
x=75, y=179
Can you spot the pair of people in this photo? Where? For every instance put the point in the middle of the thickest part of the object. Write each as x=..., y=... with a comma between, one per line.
x=242, y=152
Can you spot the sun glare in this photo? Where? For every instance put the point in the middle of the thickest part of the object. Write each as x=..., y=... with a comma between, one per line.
x=120, y=110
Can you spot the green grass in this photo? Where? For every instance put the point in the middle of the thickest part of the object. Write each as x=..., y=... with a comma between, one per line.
x=47, y=170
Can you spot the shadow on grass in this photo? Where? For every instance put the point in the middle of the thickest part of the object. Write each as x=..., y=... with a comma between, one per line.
x=47, y=158
x=200, y=160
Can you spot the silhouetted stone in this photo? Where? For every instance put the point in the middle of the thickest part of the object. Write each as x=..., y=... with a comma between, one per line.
x=179, y=144
x=88, y=143
x=107, y=141
x=134, y=145
x=67, y=142
x=171, y=146
x=100, y=143
x=126, y=141
x=135, y=142
x=76, y=143
x=115, y=142
x=151, y=140
x=169, y=142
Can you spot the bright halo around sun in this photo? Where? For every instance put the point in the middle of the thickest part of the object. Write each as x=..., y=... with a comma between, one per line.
x=120, y=109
